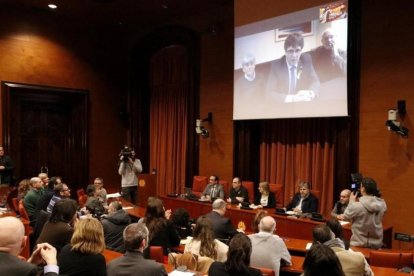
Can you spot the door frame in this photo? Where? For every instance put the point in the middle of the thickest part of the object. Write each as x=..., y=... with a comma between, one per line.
x=77, y=98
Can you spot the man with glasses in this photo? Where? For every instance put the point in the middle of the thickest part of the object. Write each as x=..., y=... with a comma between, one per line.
x=213, y=190
x=98, y=182
x=61, y=191
x=292, y=77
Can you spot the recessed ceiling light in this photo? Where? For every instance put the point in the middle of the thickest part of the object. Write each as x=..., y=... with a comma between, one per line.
x=52, y=6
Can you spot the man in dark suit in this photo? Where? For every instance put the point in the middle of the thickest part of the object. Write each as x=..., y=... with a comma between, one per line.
x=12, y=241
x=6, y=168
x=292, y=77
x=133, y=261
x=223, y=228
x=304, y=201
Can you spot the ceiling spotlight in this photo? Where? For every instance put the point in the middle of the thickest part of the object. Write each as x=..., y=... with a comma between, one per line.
x=52, y=6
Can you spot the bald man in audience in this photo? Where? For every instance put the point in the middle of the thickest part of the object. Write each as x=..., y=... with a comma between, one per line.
x=12, y=241
x=340, y=206
x=353, y=263
x=222, y=226
x=32, y=197
x=268, y=250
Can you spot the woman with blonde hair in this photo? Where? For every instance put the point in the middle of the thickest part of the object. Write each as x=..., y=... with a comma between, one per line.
x=83, y=256
x=266, y=198
x=203, y=242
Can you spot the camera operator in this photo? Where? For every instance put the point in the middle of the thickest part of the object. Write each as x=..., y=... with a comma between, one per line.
x=129, y=168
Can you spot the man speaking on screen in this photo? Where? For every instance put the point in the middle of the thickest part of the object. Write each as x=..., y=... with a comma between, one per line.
x=292, y=77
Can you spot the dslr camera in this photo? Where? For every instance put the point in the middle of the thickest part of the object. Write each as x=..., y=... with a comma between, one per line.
x=126, y=153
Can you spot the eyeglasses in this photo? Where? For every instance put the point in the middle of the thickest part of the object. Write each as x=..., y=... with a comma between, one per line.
x=67, y=190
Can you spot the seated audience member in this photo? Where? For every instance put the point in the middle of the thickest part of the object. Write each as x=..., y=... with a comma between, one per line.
x=238, y=259
x=341, y=204
x=59, y=229
x=83, y=256
x=203, y=242
x=32, y=197
x=268, y=250
x=23, y=188
x=322, y=261
x=304, y=201
x=265, y=198
x=44, y=200
x=353, y=263
x=161, y=230
x=98, y=182
x=45, y=179
x=114, y=224
x=93, y=205
x=12, y=241
x=61, y=191
x=238, y=193
x=213, y=190
x=181, y=221
x=366, y=215
x=223, y=228
x=257, y=218
x=133, y=261
x=336, y=228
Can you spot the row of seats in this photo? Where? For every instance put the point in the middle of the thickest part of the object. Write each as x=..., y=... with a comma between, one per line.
x=200, y=183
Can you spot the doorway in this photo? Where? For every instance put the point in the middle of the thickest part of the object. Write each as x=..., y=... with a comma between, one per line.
x=46, y=129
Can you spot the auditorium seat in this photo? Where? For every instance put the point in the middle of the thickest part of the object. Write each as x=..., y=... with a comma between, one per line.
x=317, y=194
x=80, y=192
x=82, y=200
x=390, y=259
x=15, y=204
x=249, y=185
x=24, y=215
x=226, y=187
x=199, y=184
x=156, y=254
x=278, y=190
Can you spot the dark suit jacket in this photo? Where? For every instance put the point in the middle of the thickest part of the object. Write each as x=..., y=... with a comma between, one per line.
x=12, y=266
x=278, y=83
x=218, y=269
x=134, y=263
x=242, y=192
x=309, y=204
x=223, y=228
x=271, y=201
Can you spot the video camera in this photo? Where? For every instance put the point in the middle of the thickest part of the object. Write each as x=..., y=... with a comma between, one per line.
x=356, y=179
x=126, y=153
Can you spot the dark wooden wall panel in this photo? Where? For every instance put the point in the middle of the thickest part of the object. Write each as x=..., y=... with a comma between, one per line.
x=39, y=49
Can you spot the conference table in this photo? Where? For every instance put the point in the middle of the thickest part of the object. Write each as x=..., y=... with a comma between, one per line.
x=286, y=226
x=296, y=232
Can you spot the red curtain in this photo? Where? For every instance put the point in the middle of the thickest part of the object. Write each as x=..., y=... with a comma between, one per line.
x=299, y=150
x=168, y=117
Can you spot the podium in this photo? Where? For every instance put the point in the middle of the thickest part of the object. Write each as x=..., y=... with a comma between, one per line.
x=147, y=186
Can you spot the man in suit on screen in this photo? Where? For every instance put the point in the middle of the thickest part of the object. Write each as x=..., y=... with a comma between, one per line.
x=292, y=77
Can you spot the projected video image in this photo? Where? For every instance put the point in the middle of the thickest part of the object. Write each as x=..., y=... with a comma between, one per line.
x=293, y=65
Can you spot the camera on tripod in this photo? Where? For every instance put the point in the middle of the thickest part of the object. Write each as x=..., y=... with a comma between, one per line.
x=126, y=154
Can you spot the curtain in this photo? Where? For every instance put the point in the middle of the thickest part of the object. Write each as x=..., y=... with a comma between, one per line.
x=299, y=150
x=168, y=117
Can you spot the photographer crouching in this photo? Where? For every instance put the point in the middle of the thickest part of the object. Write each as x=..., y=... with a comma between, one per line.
x=129, y=169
